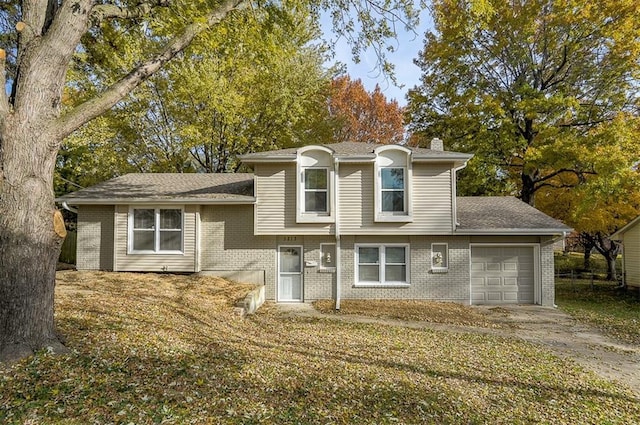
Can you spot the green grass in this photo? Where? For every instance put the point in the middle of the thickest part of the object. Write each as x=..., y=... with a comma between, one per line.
x=615, y=311
x=162, y=349
x=565, y=263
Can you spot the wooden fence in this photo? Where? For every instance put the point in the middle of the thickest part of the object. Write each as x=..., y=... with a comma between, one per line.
x=68, y=252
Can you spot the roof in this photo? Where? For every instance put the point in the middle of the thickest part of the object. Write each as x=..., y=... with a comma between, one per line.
x=167, y=188
x=476, y=215
x=355, y=150
x=503, y=215
x=617, y=236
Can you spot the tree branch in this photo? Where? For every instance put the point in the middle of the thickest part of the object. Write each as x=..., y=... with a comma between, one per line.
x=92, y=108
x=111, y=11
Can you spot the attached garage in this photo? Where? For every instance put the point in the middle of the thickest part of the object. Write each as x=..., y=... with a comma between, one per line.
x=504, y=274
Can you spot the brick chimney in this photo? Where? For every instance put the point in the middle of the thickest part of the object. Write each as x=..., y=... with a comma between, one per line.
x=436, y=144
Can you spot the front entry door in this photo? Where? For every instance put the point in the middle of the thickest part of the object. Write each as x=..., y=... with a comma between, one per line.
x=290, y=273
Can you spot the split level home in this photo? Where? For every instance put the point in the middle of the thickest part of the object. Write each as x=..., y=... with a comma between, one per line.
x=336, y=221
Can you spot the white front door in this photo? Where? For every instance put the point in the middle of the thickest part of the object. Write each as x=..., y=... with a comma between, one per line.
x=290, y=273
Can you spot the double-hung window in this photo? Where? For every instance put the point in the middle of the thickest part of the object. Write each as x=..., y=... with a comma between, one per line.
x=156, y=230
x=392, y=187
x=316, y=195
x=382, y=264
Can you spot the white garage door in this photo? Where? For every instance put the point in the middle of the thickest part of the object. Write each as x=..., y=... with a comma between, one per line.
x=502, y=275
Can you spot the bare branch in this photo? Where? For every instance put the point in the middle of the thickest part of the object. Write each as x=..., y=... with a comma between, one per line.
x=112, y=11
x=92, y=108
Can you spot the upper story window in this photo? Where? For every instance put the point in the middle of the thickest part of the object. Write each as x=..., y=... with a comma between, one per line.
x=155, y=230
x=316, y=190
x=314, y=185
x=393, y=184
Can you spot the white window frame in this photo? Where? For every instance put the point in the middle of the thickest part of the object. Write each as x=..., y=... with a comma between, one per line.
x=404, y=191
x=156, y=229
x=381, y=265
x=393, y=157
x=304, y=190
x=444, y=266
x=314, y=157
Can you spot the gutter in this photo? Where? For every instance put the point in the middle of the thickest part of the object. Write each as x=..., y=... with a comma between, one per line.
x=158, y=201
x=510, y=232
x=69, y=208
x=337, y=230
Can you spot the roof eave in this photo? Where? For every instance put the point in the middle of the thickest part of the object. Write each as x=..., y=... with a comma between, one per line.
x=248, y=159
x=619, y=234
x=441, y=158
x=156, y=201
x=505, y=232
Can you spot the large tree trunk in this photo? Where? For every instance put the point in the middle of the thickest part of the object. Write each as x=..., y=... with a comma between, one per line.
x=608, y=248
x=31, y=129
x=29, y=244
x=527, y=193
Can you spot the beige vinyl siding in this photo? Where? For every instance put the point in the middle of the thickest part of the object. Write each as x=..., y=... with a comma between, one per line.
x=95, y=237
x=632, y=256
x=430, y=196
x=275, y=191
x=156, y=262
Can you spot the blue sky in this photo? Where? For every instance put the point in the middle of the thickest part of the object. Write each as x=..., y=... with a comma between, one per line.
x=407, y=47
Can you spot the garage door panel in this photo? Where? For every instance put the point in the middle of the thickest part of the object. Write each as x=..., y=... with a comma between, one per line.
x=502, y=275
x=492, y=267
x=494, y=296
x=510, y=266
x=510, y=281
x=493, y=281
x=510, y=297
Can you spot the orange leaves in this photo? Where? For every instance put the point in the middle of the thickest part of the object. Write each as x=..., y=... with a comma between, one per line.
x=364, y=116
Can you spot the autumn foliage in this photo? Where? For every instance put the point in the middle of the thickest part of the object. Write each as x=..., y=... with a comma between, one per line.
x=364, y=116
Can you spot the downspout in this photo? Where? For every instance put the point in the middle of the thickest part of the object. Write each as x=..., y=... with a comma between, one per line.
x=336, y=211
x=68, y=208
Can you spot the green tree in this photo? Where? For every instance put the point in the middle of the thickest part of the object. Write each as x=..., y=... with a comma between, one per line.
x=33, y=123
x=257, y=82
x=605, y=201
x=524, y=84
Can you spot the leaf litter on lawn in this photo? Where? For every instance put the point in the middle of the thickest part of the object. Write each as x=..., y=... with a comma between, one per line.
x=167, y=349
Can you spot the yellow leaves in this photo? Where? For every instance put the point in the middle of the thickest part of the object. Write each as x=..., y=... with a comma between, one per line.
x=166, y=349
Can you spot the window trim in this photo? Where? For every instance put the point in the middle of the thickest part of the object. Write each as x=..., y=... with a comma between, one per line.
x=304, y=190
x=381, y=265
x=403, y=190
x=305, y=160
x=386, y=155
x=156, y=230
x=445, y=267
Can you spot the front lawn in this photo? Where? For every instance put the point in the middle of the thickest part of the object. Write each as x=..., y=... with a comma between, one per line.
x=166, y=349
x=615, y=311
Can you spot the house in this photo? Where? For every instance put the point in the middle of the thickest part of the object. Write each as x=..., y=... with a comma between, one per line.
x=629, y=235
x=337, y=221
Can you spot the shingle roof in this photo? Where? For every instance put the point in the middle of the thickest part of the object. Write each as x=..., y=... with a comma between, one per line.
x=346, y=149
x=495, y=214
x=490, y=214
x=174, y=187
